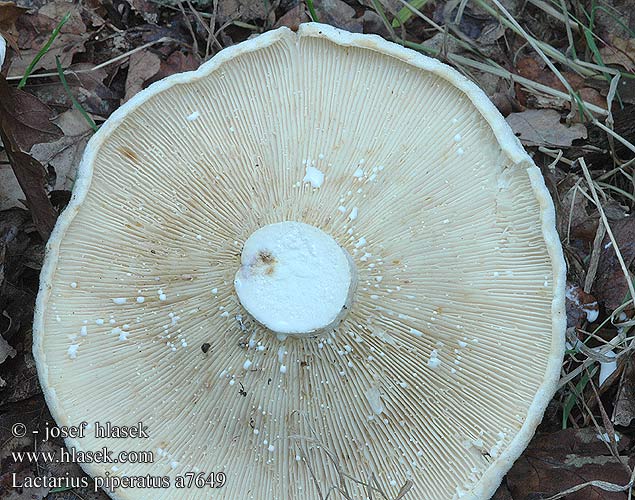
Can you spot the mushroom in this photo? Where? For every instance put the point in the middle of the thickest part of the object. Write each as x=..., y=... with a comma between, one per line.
x=3, y=50
x=319, y=261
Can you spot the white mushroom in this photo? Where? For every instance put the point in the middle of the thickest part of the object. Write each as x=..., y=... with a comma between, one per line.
x=416, y=274
x=3, y=50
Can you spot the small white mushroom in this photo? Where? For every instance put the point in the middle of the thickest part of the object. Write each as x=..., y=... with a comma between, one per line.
x=3, y=50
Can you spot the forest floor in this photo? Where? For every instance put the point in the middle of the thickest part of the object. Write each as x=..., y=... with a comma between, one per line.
x=560, y=71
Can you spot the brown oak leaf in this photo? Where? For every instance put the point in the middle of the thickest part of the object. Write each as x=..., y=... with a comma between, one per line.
x=24, y=122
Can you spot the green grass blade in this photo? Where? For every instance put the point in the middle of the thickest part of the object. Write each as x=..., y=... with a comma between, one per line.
x=616, y=18
x=76, y=103
x=312, y=13
x=405, y=13
x=588, y=36
x=44, y=49
x=573, y=397
x=382, y=13
x=60, y=489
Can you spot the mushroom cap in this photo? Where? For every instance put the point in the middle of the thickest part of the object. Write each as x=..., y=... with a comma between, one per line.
x=444, y=365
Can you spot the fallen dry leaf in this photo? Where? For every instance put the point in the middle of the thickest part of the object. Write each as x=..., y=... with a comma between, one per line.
x=9, y=14
x=147, y=10
x=25, y=118
x=542, y=127
x=293, y=18
x=440, y=42
x=23, y=254
x=535, y=70
x=177, y=62
x=34, y=414
x=30, y=412
x=24, y=122
x=557, y=461
x=58, y=9
x=142, y=67
x=11, y=192
x=31, y=177
x=6, y=351
x=88, y=88
x=2, y=253
x=22, y=472
x=374, y=24
x=593, y=96
x=65, y=47
x=35, y=27
x=35, y=30
x=20, y=373
x=65, y=154
x=505, y=102
x=610, y=286
x=243, y=10
x=621, y=52
x=339, y=14
x=502, y=493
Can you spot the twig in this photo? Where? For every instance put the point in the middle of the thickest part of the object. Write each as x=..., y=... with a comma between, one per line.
x=102, y=65
x=596, y=199
x=189, y=27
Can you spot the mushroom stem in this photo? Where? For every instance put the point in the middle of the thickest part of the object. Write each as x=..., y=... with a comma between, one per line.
x=295, y=279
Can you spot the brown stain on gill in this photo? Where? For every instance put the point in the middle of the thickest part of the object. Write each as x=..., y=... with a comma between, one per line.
x=129, y=153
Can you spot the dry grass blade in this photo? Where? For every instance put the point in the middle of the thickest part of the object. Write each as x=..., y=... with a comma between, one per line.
x=603, y=485
x=494, y=69
x=596, y=254
x=190, y=28
x=532, y=41
x=342, y=486
x=613, y=134
x=613, y=344
x=553, y=12
x=605, y=221
x=102, y=65
x=571, y=207
x=509, y=21
x=404, y=490
x=210, y=32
